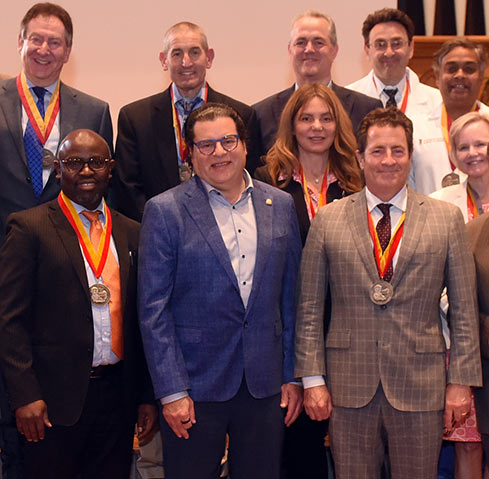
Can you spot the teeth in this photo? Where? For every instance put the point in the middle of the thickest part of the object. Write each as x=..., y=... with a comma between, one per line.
x=42, y=62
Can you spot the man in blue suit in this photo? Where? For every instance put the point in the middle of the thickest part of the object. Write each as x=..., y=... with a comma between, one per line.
x=218, y=264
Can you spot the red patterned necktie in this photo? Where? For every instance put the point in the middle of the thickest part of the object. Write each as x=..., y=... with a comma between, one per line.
x=384, y=232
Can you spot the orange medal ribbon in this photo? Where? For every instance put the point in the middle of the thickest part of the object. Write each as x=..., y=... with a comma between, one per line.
x=446, y=124
x=384, y=259
x=96, y=259
x=41, y=126
x=182, y=146
x=471, y=206
x=322, y=196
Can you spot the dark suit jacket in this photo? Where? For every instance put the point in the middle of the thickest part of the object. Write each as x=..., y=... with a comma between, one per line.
x=269, y=110
x=77, y=110
x=478, y=231
x=147, y=161
x=335, y=192
x=46, y=326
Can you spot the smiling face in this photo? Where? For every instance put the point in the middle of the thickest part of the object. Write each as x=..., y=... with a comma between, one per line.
x=314, y=127
x=222, y=169
x=187, y=61
x=471, y=149
x=386, y=161
x=389, y=64
x=44, y=50
x=311, y=50
x=460, y=78
x=85, y=187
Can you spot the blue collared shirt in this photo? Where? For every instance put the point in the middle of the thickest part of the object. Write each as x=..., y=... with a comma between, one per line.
x=102, y=352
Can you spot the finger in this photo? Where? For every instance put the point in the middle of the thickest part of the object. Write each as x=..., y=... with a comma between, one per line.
x=447, y=420
x=191, y=412
x=284, y=397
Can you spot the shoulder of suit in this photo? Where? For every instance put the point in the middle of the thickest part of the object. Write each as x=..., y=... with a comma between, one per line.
x=130, y=223
x=82, y=97
x=270, y=100
x=475, y=227
x=146, y=103
x=366, y=100
x=242, y=108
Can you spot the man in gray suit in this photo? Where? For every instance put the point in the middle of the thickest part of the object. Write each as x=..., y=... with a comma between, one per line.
x=387, y=253
x=36, y=111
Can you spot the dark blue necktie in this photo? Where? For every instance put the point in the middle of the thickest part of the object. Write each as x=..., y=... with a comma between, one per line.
x=34, y=147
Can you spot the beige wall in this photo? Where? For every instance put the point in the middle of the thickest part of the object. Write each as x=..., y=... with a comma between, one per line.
x=116, y=43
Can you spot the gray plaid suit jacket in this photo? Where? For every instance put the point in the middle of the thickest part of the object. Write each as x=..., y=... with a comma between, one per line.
x=400, y=344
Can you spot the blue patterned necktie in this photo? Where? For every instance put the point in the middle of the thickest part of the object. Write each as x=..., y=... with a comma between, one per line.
x=188, y=106
x=34, y=147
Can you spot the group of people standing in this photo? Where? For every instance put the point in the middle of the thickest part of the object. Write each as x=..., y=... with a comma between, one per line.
x=289, y=273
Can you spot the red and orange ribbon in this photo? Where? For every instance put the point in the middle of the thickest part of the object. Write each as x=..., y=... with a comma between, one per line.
x=384, y=259
x=182, y=146
x=471, y=205
x=446, y=124
x=96, y=259
x=322, y=195
x=42, y=126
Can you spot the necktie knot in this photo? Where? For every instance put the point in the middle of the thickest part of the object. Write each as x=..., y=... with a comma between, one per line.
x=91, y=215
x=39, y=91
x=391, y=93
x=385, y=208
x=188, y=105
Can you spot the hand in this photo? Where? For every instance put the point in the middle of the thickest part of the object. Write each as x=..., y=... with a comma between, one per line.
x=457, y=406
x=292, y=400
x=147, y=423
x=31, y=420
x=317, y=403
x=180, y=416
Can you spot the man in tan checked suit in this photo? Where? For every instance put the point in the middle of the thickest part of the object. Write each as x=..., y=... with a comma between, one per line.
x=383, y=356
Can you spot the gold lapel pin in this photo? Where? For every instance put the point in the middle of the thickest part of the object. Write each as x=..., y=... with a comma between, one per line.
x=268, y=201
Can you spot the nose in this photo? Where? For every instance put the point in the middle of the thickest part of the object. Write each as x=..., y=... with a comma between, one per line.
x=186, y=60
x=44, y=47
x=388, y=158
x=309, y=46
x=473, y=150
x=219, y=150
x=389, y=51
x=317, y=125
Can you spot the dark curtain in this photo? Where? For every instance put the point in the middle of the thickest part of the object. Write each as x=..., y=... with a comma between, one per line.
x=414, y=9
x=445, y=18
x=474, y=18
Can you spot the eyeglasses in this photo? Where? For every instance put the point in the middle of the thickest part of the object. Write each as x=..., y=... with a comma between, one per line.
x=228, y=143
x=381, y=45
x=95, y=163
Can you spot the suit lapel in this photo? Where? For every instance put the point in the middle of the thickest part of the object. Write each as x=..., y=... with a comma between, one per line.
x=279, y=104
x=164, y=135
x=413, y=228
x=200, y=211
x=69, y=242
x=344, y=96
x=358, y=223
x=264, y=227
x=68, y=110
x=12, y=112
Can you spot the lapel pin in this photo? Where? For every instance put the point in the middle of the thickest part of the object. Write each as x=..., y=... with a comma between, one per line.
x=268, y=201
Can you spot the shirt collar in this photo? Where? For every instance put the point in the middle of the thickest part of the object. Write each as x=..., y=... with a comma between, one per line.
x=399, y=200
x=178, y=96
x=329, y=85
x=101, y=207
x=248, y=188
x=400, y=86
x=49, y=88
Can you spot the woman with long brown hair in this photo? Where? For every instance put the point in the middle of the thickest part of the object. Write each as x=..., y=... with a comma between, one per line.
x=313, y=157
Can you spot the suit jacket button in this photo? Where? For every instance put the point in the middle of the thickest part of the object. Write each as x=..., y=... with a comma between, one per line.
x=245, y=324
x=384, y=306
x=28, y=179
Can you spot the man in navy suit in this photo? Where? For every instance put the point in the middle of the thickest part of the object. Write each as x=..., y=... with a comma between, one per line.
x=218, y=265
x=312, y=49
